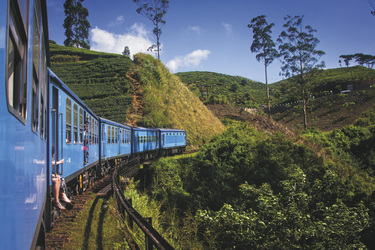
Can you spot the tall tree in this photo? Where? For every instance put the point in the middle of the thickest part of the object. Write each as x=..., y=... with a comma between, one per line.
x=154, y=10
x=264, y=46
x=363, y=59
x=297, y=46
x=76, y=24
x=372, y=3
x=347, y=59
x=126, y=51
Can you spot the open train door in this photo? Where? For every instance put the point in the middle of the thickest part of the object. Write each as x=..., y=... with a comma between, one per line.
x=56, y=133
x=86, y=138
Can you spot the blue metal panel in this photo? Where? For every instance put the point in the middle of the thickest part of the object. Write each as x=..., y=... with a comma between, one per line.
x=72, y=153
x=144, y=139
x=22, y=159
x=172, y=138
x=118, y=146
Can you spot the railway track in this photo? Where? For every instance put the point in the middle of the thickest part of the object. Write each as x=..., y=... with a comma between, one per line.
x=58, y=235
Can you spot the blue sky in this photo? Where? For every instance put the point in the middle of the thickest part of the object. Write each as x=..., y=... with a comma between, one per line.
x=212, y=35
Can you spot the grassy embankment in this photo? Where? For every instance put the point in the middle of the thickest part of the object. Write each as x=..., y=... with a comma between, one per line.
x=142, y=92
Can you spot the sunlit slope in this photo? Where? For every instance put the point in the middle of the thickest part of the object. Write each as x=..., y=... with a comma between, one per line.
x=168, y=102
x=141, y=92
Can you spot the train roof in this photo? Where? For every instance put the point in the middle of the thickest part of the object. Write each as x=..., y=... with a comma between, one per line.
x=63, y=86
x=142, y=128
x=170, y=130
x=115, y=123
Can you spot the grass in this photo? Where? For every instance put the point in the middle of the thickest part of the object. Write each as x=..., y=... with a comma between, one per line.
x=108, y=84
x=97, y=227
x=180, y=232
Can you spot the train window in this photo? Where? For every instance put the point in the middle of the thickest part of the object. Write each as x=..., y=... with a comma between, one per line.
x=23, y=7
x=43, y=90
x=116, y=135
x=17, y=59
x=75, y=122
x=68, y=114
x=113, y=135
x=126, y=136
x=109, y=134
x=81, y=126
x=92, y=131
x=90, y=128
x=35, y=67
x=103, y=132
x=97, y=132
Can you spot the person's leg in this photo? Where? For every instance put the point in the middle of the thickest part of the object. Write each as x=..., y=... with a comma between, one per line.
x=64, y=198
x=56, y=191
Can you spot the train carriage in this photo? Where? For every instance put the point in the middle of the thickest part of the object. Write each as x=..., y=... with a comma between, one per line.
x=115, y=143
x=172, y=141
x=74, y=134
x=39, y=115
x=23, y=111
x=145, y=142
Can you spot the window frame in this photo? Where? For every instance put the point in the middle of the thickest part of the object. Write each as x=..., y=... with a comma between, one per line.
x=68, y=117
x=16, y=59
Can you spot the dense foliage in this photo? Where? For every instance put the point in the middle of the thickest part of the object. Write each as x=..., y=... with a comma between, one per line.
x=99, y=79
x=328, y=80
x=76, y=24
x=255, y=190
x=115, y=87
x=169, y=103
x=215, y=88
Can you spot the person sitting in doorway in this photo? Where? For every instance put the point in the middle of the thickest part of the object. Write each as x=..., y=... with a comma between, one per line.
x=59, y=184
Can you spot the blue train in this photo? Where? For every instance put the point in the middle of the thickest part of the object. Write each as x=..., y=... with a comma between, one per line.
x=40, y=114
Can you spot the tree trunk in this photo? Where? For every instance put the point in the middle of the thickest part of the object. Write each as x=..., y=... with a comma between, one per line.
x=304, y=113
x=268, y=92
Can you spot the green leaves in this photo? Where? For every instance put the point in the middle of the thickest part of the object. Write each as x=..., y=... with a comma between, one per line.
x=76, y=24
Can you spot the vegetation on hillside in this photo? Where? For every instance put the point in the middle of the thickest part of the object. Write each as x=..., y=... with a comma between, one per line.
x=215, y=88
x=142, y=92
x=327, y=112
x=99, y=79
x=249, y=189
x=328, y=80
x=169, y=103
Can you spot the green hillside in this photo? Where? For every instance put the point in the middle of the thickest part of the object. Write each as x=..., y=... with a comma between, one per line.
x=215, y=88
x=142, y=92
x=99, y=79
x=335, y=80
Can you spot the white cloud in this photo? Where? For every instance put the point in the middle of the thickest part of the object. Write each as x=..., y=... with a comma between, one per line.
x=196, y=29
x=137, y=39
x=227, y=27
x=119, y=20
x=192, y=59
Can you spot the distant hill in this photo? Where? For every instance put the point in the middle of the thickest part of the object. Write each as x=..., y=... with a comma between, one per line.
x=335, y=80
x=215, y=88
x=329, y=110
x=142, y=92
